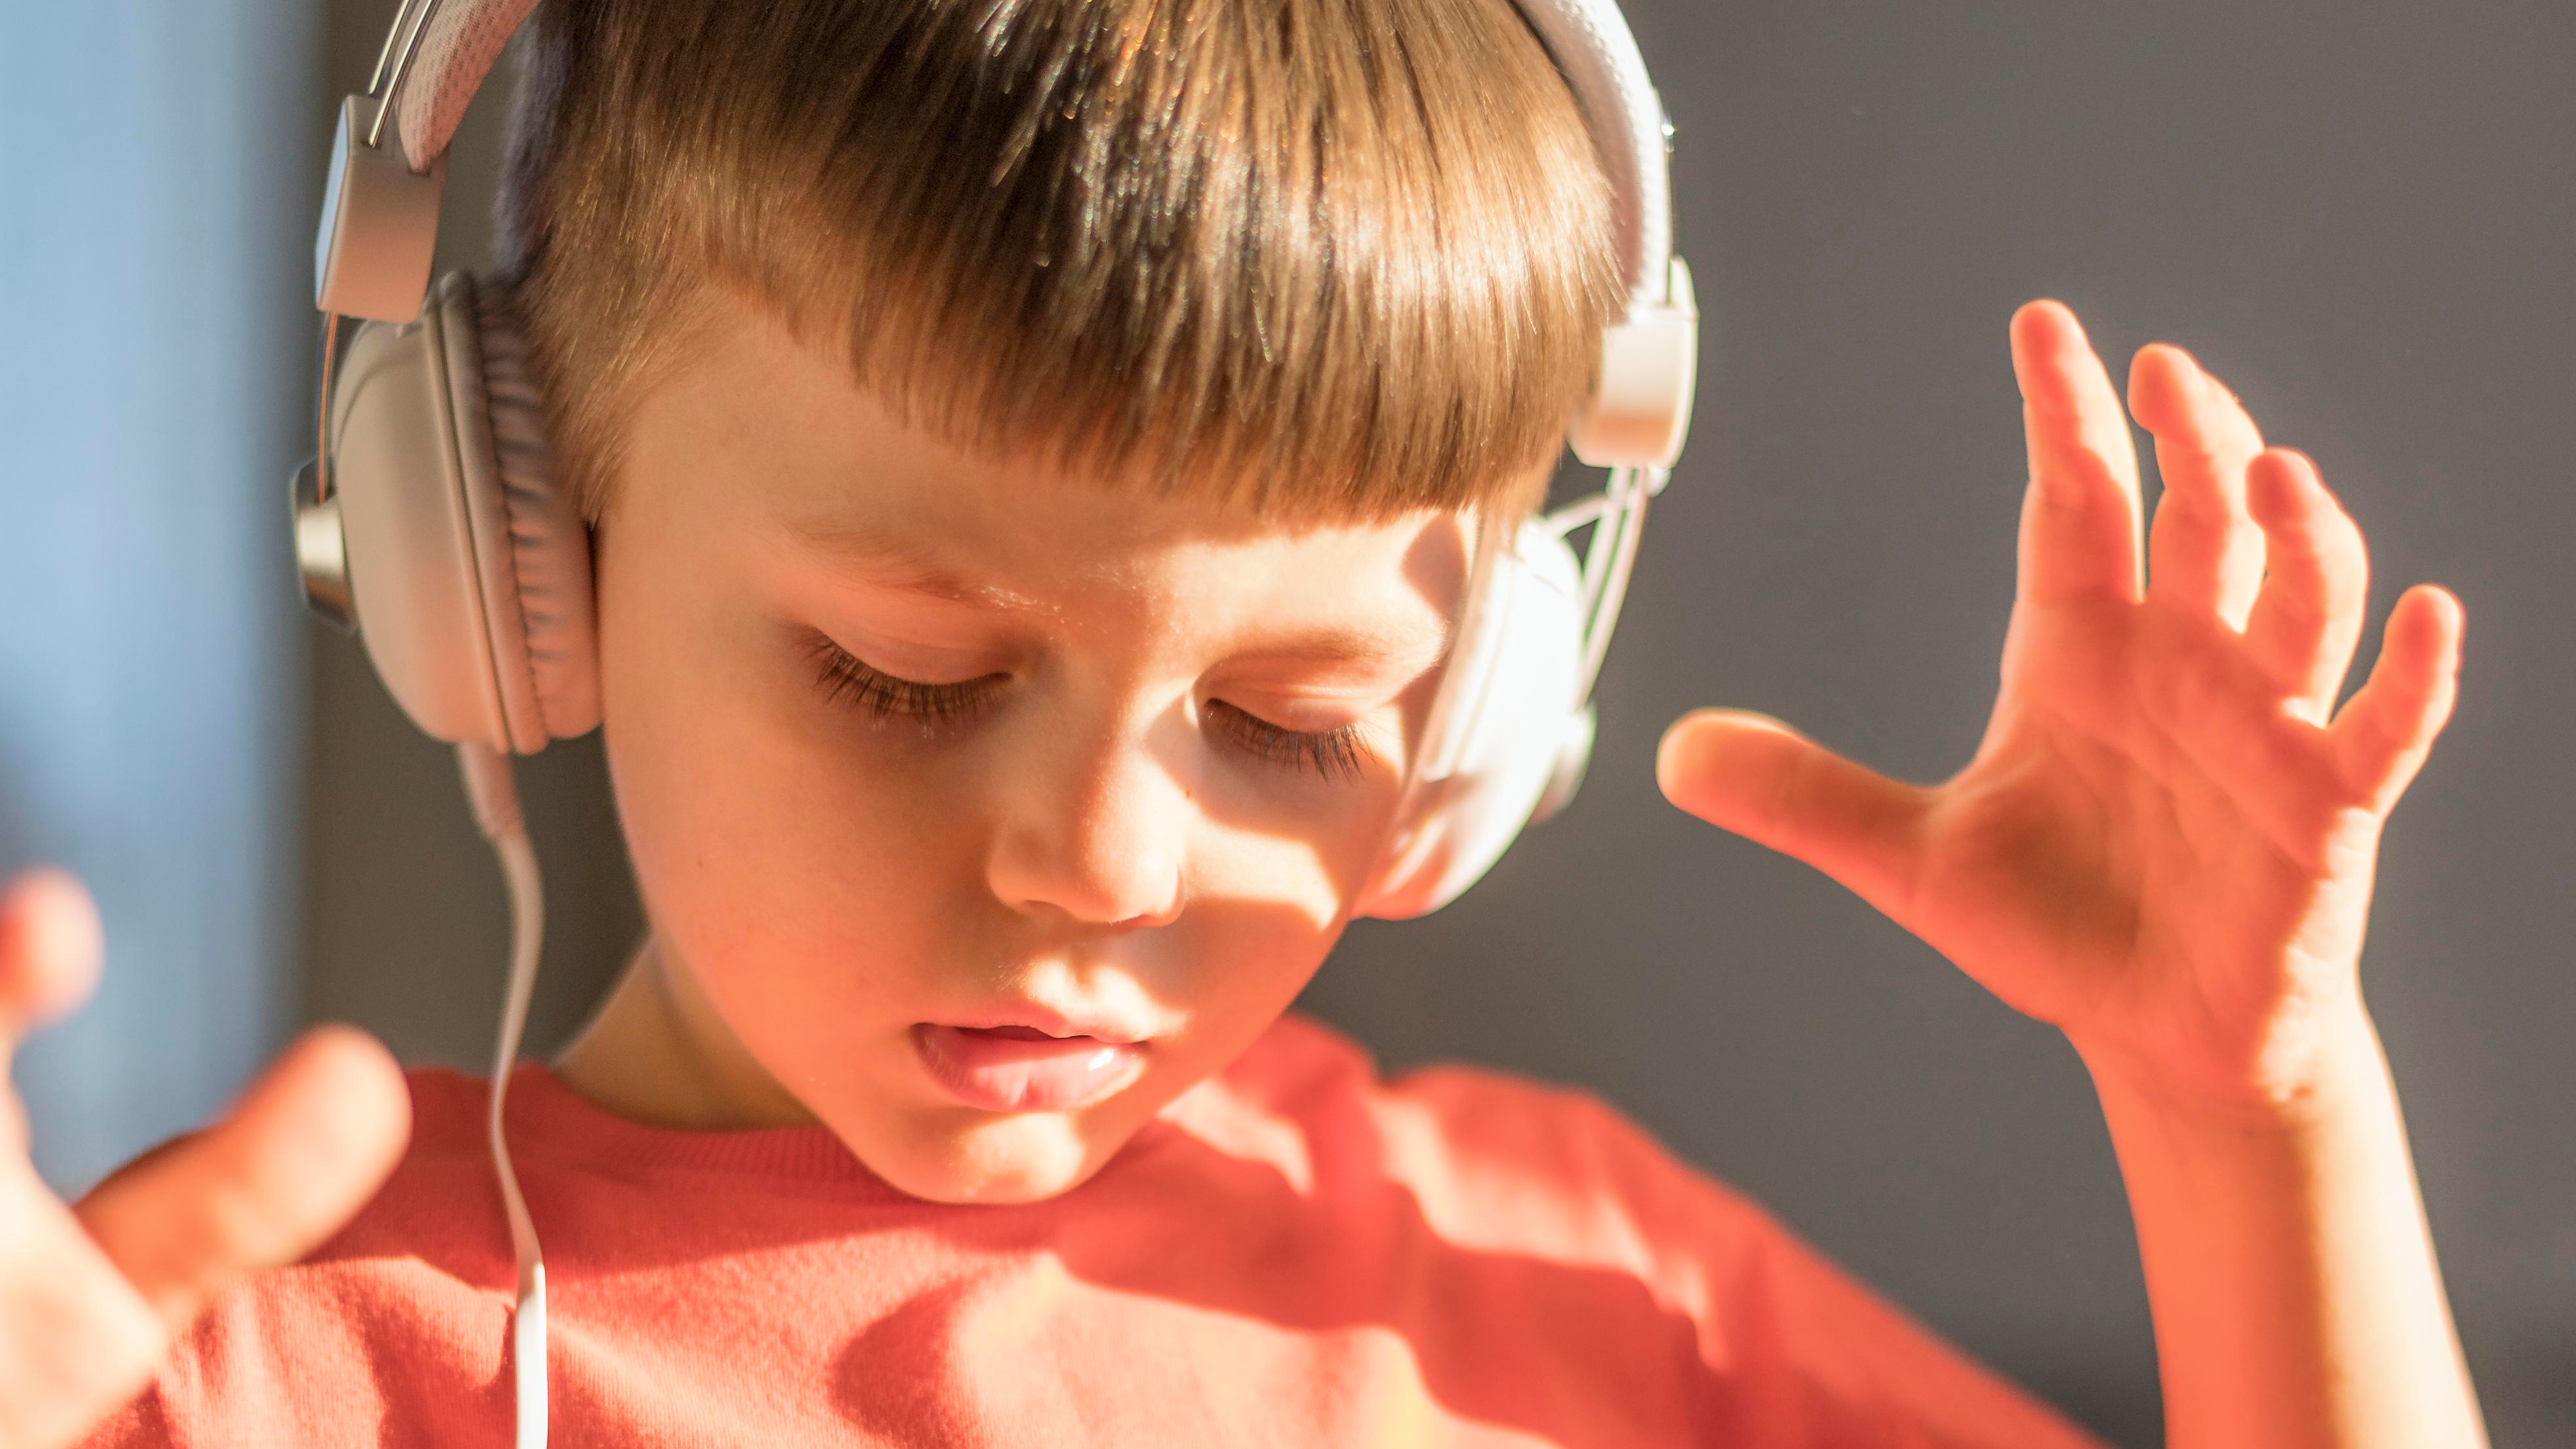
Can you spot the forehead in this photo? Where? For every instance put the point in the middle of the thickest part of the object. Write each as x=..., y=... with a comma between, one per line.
x=761, y=428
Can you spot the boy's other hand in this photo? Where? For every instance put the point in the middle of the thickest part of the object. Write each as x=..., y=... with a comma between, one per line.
x=91, y=1296
x=2165, y=841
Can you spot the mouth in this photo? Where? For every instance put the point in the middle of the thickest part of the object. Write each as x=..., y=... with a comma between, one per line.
x=1015, y=1067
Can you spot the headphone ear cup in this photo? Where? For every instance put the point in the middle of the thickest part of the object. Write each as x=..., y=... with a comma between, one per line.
x=1519, y=734
x=450, y=521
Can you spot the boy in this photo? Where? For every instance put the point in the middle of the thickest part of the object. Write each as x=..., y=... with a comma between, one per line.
x=1034, y=453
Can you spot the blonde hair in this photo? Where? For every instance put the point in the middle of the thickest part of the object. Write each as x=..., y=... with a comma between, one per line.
x=1326, y=259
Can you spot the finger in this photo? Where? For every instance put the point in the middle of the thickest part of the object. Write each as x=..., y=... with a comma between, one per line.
x=75, y=1341
x=2204, y=552
x=2079, y=533
x=2388, y=726
x=1768, y=783
x=49, y=952
x=2316, y=586
x=302, y=1150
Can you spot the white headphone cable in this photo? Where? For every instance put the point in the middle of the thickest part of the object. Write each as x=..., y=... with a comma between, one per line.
x=494, y=793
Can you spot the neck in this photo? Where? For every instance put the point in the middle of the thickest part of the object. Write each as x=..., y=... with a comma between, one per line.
x=657, y=1052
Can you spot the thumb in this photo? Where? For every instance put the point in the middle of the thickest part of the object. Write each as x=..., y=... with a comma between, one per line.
x=301, y=1152
x=1753, y=775
x=49, y=952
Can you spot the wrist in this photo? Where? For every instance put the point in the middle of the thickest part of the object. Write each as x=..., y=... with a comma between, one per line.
x=2288, y=1265
x=2322, y=1070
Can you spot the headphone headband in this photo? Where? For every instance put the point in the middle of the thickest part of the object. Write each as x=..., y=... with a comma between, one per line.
x=452, y=45
x=379, y=217
x=459, y=42
x=1593, y=49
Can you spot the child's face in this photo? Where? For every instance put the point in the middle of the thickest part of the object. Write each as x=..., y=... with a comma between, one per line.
x=1090, y=822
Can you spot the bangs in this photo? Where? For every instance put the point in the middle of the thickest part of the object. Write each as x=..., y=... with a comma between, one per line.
x=1320, y=259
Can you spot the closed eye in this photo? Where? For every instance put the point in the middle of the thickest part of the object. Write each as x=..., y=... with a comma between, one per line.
x=1335, y=754
x=846, y=679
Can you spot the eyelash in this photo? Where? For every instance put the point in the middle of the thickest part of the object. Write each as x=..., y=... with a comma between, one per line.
x=845, y=680
x=1333, y=754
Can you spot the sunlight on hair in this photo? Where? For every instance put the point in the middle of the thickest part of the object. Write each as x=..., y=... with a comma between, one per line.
x=1322, y=260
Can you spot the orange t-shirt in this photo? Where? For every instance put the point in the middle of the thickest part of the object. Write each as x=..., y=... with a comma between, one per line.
x=1294, y=1254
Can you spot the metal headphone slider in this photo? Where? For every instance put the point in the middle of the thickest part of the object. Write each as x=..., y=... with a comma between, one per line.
x=1640, y=411
x=371, y=251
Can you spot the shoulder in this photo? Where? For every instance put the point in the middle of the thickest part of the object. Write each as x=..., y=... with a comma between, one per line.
x=1790, y=1348
x=1490, y=1155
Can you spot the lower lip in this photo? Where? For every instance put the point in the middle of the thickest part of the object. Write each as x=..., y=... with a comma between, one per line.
x=1020, y=1074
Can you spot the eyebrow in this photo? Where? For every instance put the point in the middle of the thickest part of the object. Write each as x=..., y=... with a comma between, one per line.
x=1347, y=645
x=896, y=562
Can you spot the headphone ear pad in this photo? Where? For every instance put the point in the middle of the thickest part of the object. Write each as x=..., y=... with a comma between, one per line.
x=1520, y=730
x=469, y=573
x=548, y=544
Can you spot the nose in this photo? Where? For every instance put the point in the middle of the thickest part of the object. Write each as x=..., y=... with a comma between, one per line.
x=1096, y=829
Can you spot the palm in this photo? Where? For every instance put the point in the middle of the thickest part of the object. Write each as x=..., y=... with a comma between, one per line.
x=2164, y=842
x=2108, y=885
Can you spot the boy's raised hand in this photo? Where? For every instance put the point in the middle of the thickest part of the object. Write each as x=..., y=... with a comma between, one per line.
x=90, y=1296
x=2165, y=841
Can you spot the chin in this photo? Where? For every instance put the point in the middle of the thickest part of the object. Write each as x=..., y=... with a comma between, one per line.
x=1020, y=1158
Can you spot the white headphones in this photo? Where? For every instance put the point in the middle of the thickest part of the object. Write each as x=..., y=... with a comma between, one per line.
x=432, y=518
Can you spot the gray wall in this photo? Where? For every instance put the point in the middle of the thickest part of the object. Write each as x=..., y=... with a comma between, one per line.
x=2358, y=213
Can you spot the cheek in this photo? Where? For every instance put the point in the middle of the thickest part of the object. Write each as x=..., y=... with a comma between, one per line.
x=1305, y=843
x=1272, y=895
x=1302, y=849
x=765, y=845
